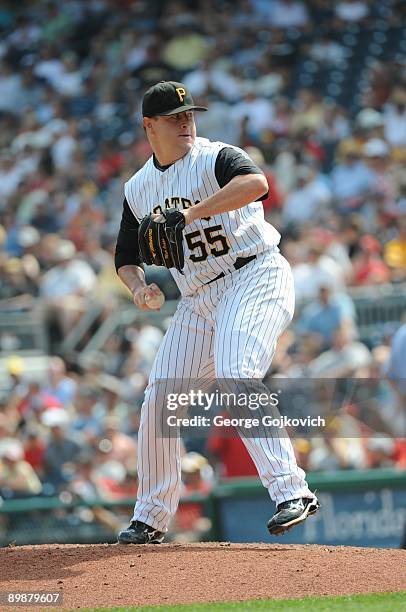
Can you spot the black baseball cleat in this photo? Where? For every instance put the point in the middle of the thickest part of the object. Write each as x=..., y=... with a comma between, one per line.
x=140, y=533
x=292, y=513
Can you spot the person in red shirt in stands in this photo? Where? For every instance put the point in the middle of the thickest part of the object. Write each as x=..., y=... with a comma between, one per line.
x=400, y=453
x=368, y=266
x=229, y=451
x=34, y=452
x=274, y=199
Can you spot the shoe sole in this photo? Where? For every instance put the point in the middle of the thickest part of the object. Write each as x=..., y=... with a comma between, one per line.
x=154, y=541
x=280, y=529
x=139, y=543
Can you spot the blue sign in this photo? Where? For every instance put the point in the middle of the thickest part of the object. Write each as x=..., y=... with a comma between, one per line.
x=368, y=518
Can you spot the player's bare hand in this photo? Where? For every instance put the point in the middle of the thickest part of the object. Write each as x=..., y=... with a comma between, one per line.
x=149, y=297
x=188, y=216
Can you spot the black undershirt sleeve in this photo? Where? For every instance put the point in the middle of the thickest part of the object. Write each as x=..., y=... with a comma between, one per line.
x=127, y=250
x=231, y=163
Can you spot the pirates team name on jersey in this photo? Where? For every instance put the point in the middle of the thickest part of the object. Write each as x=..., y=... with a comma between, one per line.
x=174, y=203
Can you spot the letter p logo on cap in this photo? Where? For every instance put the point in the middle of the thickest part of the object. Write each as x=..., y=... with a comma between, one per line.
x=181, y=93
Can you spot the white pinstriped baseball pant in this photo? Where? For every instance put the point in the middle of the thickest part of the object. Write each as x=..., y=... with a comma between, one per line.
x=228, y=329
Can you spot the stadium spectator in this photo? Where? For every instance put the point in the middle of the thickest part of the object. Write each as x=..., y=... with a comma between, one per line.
x=17, y=289
x=327, y=316
x=368, y=266
x=352, y=10
x=190, y=524
x=314, y=269
x=31, y=400
x=379, y=451
x=65, y=286
x=34, y=452
x=60, y=384
x=17, y=477
x=395, y=252
x=123, y=449
x=308, y=110
x=123, y=487
x=229, y=453
x=395, y=369
x=288, y=14
x=88, y=409
x=394, y=118
x=253, y=115
x=282, y=117
x=344, y=359
x=8, y=428
x=275, y=198
x=351, y=180
x=309, y=200
x=383, y=181
x=61, y=449
x=325, y=50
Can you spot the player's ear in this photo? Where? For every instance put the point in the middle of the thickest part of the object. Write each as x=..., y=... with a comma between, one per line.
x=147, y=123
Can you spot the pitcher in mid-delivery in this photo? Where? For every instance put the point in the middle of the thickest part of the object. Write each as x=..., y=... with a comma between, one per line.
x=237, y=297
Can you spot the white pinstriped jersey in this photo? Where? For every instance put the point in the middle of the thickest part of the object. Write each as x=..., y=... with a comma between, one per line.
x=212, y=244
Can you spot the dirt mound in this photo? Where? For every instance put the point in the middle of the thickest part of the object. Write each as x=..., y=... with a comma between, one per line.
x=114, y=575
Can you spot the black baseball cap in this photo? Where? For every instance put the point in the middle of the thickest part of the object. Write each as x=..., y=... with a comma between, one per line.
x=168, y=98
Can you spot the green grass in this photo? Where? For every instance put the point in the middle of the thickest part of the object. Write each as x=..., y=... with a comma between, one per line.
x=373, y=602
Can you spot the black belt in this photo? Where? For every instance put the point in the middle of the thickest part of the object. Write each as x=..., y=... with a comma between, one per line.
x=240, y=262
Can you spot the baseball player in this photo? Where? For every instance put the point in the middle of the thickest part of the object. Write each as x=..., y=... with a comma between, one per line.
x=195, y=207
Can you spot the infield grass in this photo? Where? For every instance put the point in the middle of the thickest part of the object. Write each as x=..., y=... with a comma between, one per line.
x=373, y=602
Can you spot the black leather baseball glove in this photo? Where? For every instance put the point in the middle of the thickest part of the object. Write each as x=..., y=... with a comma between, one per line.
x=160, y=239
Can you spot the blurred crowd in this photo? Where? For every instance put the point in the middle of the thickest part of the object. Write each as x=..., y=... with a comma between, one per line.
x=72, y=75
x=74, y=437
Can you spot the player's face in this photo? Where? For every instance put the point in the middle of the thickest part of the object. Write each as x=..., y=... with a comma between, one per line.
x=172, y=136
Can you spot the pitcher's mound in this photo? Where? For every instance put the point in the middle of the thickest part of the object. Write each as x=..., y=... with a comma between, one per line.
x=115, y=575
